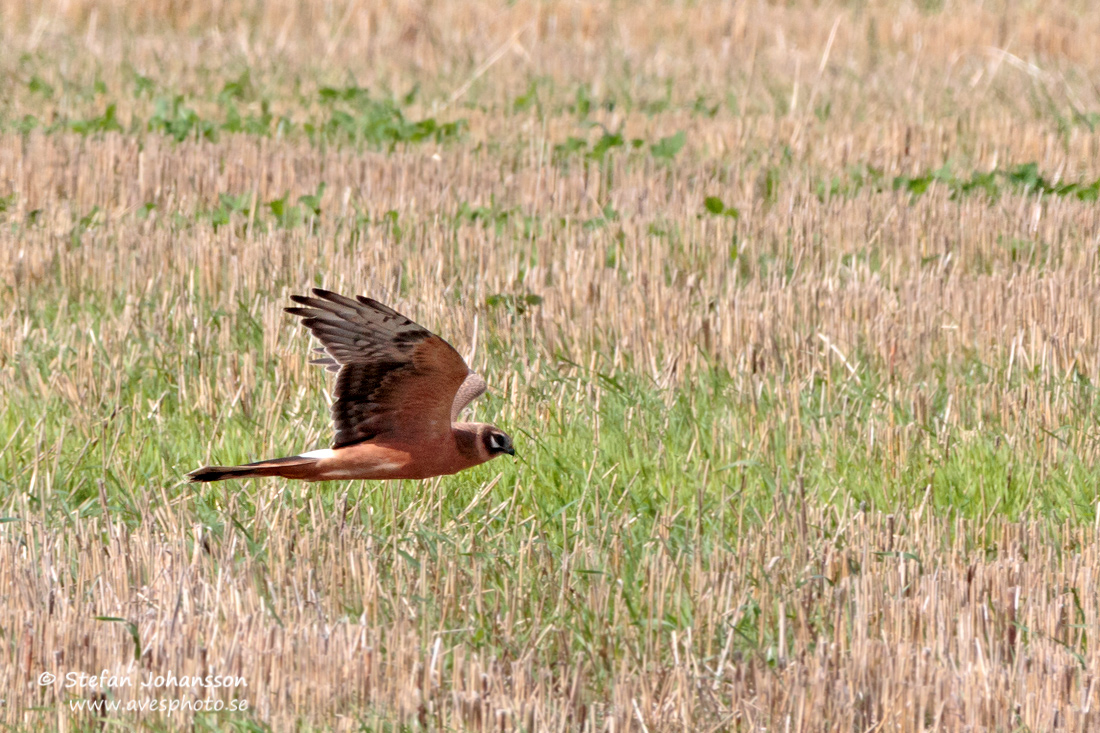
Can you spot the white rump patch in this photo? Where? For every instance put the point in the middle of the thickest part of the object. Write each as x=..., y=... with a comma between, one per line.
x=320, y=453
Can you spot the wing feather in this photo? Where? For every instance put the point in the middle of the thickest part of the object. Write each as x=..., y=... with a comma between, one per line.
x=472, y=388
x=394, y=378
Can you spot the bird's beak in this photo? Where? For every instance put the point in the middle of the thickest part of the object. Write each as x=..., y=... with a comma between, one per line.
x=511, y=451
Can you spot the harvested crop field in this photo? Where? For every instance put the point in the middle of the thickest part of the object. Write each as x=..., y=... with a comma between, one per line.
x=793, y=312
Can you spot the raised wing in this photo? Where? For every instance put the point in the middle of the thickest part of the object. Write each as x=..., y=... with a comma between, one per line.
x=395, y=378
x=472, y=388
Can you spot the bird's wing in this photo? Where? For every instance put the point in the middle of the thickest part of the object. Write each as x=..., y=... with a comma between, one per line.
x=395, y=379
x=472, y=388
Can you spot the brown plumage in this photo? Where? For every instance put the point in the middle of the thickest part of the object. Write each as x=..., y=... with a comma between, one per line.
x=399, y=389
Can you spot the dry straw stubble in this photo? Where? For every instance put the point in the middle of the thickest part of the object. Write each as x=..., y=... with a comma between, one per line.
x=942, y=343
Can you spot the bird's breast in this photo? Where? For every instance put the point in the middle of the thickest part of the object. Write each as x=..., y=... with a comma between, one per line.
x=393, y=459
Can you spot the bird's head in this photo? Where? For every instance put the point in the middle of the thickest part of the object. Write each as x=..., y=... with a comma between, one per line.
x=497, y=442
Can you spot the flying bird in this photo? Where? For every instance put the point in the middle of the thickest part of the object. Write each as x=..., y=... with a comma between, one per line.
x=399, y=389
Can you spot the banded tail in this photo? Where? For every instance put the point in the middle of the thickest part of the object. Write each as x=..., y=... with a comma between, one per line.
x=298, y=467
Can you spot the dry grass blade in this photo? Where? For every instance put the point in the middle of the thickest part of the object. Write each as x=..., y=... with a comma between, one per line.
x=791, y=309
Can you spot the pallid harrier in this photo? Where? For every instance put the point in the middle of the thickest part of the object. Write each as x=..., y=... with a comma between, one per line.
x=399, y=389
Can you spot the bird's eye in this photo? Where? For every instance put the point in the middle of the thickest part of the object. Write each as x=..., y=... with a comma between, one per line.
x=495, y=442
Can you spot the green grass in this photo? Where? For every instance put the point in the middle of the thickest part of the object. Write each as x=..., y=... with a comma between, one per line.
x=790, y=348
x=132, y=427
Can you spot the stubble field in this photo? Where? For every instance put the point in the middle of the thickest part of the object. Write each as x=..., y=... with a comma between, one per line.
x=792, y=311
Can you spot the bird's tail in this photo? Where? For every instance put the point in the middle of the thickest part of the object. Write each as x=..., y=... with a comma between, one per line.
x=295, y=467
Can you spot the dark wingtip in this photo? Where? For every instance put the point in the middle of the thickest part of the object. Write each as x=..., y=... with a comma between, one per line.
x=312, y=301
